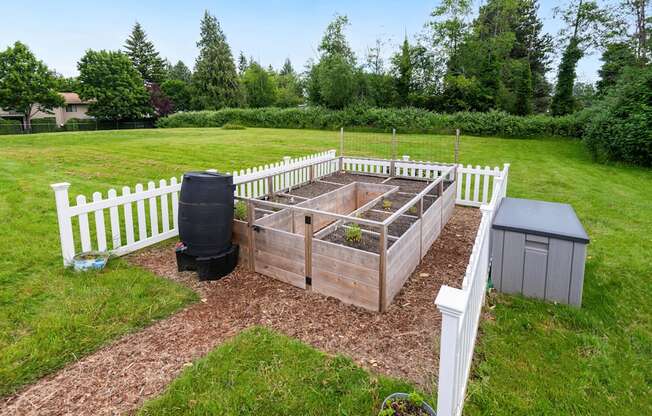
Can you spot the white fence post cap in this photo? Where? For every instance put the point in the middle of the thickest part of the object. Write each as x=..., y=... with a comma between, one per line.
x=406, y=157
x=451, y=301
x=60, y=186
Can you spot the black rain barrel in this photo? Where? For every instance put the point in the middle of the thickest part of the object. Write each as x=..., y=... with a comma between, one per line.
x=206, y=213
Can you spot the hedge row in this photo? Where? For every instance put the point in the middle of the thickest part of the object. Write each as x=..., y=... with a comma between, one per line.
x=404, y=120
x=10, y=126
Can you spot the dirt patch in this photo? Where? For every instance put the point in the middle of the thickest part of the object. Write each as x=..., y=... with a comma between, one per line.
x=396, y=229
x=314, y=189
x=401, y=342
x=393, y=202
x=406, y=185
x=347, y=178
x=287, y=200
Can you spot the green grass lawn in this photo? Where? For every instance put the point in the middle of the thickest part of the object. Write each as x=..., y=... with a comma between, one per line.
x=533, y=358
x=263, y=373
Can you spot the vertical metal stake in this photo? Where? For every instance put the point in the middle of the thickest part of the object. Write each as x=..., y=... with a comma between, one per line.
x=341, y=141
x=457, y=145
x=394, y=144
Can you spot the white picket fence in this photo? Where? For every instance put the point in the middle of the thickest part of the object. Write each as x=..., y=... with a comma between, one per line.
x=475, y=185
x=156, y=207
x=461, y=308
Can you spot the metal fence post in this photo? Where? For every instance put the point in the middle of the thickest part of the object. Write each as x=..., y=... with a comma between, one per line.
x=341, y=141
x=394, y=144
x=457, y=145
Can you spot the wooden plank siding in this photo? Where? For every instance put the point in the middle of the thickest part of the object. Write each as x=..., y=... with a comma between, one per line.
x=402, y=258
x=345, y=273
x=241, y=238
x=280, y=255
x=431, y=225
x=448, y=202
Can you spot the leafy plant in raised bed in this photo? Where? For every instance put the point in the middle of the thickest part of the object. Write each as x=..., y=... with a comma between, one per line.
x=413, y=210
x=240, y=211
x=387, y=204
x=353, y=233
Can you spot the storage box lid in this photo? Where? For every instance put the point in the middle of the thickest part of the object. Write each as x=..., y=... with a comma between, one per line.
x=548, y=219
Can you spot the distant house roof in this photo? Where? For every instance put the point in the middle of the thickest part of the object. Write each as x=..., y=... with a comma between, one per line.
x=72, y=98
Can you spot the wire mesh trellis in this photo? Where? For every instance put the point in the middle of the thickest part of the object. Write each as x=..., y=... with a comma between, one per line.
x=439, y=147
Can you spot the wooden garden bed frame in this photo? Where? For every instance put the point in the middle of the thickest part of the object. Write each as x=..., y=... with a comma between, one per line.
x=286, y=243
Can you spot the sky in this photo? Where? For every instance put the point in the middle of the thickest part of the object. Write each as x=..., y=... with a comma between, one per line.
x=59, y=32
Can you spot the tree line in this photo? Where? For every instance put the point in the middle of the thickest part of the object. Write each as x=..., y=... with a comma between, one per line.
x=494, y=58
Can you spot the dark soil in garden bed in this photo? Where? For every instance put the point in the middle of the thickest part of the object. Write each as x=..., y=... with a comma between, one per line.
x=402, y=342
x=396, y=229
x=393, y=202
x=406, y=185
x=287, y=200
x=347, y=178
x=369, y=242
x=314, y=189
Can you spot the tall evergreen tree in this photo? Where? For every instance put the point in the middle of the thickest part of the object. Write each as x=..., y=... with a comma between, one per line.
x=242, y=63
x=144, y=56
x=402, y=64
x=179, y=71
x=287, y=68
x=537, y=47
x=524, y=91
x=615, y=58
x=214, y=81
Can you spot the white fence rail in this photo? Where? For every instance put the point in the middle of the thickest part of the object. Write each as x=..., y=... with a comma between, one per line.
x=149, y=215
x=461, y=308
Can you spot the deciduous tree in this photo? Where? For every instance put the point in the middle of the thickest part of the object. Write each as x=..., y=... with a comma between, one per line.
x=116, y=88
x=27, y=86
x=259, y=86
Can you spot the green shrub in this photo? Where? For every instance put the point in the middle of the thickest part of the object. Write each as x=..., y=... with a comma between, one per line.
x=10, y=126
x=353, y=233
x=44, y=125
x=240, y=211
x=619, y=127
x=405, y=120
x=233, y=126
x=80, y=124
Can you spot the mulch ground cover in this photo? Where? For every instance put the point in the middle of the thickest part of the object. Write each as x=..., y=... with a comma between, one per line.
x=403, y=342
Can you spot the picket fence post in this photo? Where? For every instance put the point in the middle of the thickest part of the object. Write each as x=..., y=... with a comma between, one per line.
x=451, y=302
x=65, y=224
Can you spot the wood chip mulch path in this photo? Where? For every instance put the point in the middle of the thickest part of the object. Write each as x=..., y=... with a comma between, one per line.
x=401, y=342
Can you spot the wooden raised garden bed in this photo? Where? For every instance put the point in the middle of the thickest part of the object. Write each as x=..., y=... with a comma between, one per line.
x=301, y=235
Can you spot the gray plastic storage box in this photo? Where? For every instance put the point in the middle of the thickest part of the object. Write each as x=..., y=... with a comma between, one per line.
x=538, y=250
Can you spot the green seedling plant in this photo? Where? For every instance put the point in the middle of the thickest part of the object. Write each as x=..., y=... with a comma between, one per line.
x=387, y=204
x=353, y=234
